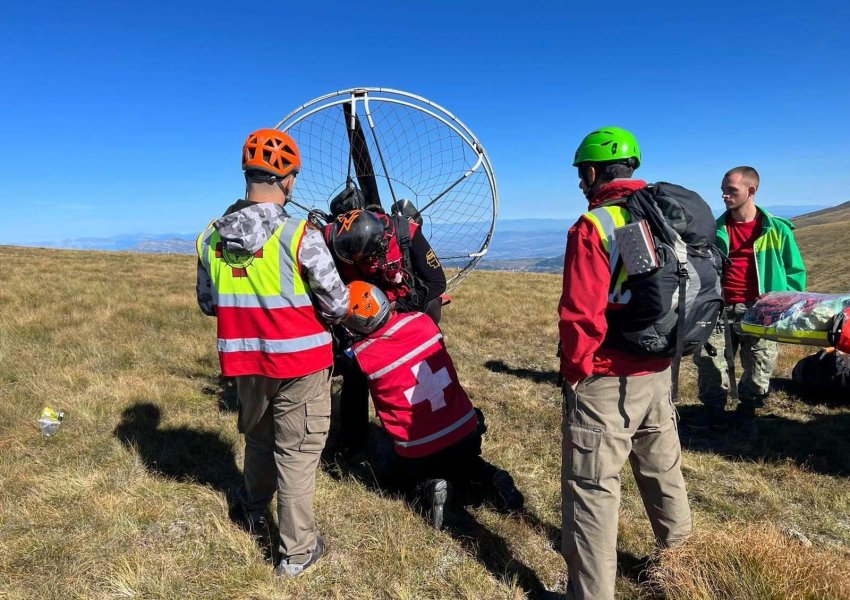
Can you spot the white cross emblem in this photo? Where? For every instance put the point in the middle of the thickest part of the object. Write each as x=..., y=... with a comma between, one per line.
x=429, y=386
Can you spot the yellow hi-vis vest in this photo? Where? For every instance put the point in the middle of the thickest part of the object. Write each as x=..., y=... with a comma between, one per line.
x=606, y=219
x=267, y=324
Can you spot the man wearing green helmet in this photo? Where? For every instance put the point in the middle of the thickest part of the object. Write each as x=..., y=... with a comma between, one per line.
x=617, y=404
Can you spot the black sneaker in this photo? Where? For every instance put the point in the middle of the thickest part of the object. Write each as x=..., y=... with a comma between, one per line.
x=287, y=569
x=433, y=494
x=507, y=496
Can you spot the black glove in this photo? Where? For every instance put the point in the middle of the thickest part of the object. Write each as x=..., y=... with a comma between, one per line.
x=348, y=199
x=405, y=304
x=318, y=218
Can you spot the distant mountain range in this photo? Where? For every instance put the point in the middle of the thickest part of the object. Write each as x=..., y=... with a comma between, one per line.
x=513, y=249
x=174, y=243
x=518, y=244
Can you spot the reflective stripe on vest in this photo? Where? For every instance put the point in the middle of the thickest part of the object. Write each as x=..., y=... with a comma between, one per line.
x=442, y=433
x=606, y=219
x=266, y=321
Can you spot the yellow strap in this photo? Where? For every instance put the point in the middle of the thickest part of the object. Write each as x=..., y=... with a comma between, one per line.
x=296, y=264
x=791, y=337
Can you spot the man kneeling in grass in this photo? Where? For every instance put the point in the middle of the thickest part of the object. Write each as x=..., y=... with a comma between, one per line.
x=436, y=432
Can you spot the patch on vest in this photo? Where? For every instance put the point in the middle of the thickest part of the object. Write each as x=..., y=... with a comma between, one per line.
x=430, y=386
x=432, y=259
x=238, y=261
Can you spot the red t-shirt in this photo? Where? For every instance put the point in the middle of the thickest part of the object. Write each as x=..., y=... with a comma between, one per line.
x=741, y=282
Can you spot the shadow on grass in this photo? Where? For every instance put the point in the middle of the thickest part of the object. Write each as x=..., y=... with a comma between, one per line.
x=376, y=469
x=629, y=565
x=821, y=444
x=187, y=455
x=225, y=390
x=811, y=395
x=498, y=366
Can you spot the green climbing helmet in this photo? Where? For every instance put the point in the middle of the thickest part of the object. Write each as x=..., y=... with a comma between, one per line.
x=606, y=145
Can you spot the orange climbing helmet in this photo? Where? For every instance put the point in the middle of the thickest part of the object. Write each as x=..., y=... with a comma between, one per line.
x=368, y=308
x=271, y=151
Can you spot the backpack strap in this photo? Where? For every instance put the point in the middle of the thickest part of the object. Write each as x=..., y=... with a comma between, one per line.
x=680, y=321
x=729, y=353
x=402, y=236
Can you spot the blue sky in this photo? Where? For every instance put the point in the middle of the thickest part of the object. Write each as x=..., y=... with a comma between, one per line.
x=121, y=117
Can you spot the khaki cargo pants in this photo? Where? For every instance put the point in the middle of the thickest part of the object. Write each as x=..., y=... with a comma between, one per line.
x=285, y=422
x=758, y=359
x=606, y=421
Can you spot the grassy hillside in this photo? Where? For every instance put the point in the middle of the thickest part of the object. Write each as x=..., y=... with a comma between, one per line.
x=834, y=214
x=824, y=247
x=128, y=500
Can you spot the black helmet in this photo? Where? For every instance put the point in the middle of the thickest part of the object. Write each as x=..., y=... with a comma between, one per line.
x=357, y=235
x=407, y=209
x=350, y=198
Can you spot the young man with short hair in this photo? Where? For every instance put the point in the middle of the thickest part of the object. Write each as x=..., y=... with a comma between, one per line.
x=763, y=257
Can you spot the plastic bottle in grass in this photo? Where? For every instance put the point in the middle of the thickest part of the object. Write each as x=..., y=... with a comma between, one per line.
x=50, y=420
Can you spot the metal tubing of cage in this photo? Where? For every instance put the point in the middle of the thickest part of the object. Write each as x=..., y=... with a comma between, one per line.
x=465, y=134
x=378, y=146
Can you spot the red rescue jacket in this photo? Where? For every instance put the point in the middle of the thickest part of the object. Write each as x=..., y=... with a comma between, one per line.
x=584, y=301
x=414, y=385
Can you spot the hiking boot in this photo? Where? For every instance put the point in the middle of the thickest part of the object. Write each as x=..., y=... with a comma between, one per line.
x=254, y=523
x=287, y=569
x=507, y=496
x=433, y=495
x=747, y=412
x=712, y=418
x=258, y=527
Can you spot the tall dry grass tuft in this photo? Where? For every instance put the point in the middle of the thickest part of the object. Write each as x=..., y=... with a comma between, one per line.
x=756, y=562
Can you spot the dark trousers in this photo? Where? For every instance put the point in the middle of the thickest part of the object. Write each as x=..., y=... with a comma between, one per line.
x=354, y=407
x=460, y=464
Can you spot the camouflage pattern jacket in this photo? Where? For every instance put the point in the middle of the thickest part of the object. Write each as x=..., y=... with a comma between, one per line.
x=246, y=226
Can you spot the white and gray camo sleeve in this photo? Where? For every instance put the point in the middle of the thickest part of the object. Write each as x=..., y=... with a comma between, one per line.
x=204, y=291
x=327, y=288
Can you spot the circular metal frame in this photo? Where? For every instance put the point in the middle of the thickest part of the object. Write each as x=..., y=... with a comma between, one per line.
x=360, y=103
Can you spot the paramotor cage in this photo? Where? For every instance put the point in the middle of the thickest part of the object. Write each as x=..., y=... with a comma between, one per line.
x=398, y=146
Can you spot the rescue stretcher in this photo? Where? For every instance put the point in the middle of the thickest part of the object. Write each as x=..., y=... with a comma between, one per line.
x=805, y=318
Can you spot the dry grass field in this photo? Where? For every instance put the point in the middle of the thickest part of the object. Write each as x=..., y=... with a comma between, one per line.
x=129, y=499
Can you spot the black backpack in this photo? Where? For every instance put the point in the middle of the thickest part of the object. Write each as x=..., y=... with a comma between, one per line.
x=656, y=322
x=827, y=372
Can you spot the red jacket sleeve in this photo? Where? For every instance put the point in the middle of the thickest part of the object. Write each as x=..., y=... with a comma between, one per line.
x=584, y=299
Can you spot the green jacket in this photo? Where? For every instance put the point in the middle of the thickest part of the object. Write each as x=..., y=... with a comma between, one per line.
x=779, y=265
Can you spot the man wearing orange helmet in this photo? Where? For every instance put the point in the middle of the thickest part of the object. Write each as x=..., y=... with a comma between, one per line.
x=435, y=430
x=272, y=284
